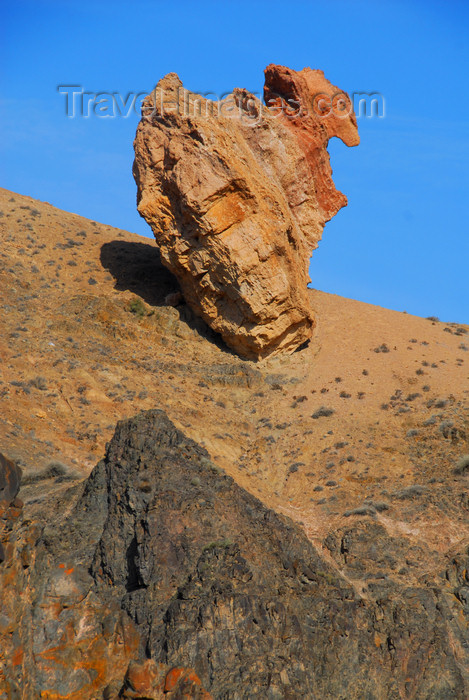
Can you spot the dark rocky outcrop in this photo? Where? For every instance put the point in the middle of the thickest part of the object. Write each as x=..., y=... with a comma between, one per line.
x=10, y=478
x=10, y=505
x=159, y=577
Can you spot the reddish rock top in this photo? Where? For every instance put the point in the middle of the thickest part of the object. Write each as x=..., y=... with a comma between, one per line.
x=237, y=194
x=323, y=111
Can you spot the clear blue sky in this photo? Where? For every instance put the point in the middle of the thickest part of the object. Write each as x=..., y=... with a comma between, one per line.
x=403, y=240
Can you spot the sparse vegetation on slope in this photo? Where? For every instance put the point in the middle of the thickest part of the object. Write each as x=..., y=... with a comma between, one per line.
x=74, y=360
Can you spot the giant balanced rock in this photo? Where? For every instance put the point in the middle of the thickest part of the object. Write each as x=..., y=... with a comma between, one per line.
x=237, y=193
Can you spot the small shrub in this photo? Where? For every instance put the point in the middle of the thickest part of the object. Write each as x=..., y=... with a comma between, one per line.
x=445, y=427
x=379, y=506
x=382, y=348
x=323, y=412
x=39, y=383
x=137, y=307
x=441, y=403
x=294, y=467
x=54, y=470
x=409, y=492
x=462, y=465
x=222, y=544
x=297, y=400
x=361, y=510
x=344, y=395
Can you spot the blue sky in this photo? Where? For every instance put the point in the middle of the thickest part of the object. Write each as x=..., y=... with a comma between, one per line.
x=401, y=243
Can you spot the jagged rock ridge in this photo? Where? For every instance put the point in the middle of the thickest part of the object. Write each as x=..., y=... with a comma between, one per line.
x=237, y=195
x=160, y=577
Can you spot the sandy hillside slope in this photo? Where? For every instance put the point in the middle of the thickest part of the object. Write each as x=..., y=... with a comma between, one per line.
x=360, y=432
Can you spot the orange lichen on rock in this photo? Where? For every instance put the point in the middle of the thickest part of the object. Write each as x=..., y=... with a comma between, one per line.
x=237, y=194
x=175, y=675
x=152, y=680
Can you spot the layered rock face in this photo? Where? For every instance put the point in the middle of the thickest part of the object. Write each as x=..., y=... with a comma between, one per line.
x=159, y=577
x=10, y=505
x=237, y=194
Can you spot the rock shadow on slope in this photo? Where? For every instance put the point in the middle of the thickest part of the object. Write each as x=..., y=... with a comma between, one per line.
x=137, y=267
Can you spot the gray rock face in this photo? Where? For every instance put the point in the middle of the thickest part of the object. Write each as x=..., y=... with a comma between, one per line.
x=10, y=478
x=159, y=563
x=10, y=506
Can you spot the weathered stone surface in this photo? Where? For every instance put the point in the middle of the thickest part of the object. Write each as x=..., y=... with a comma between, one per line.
x=10, y=505
x=10, y=478
x=157, y=681
x=237, y=195
x=160, y=577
